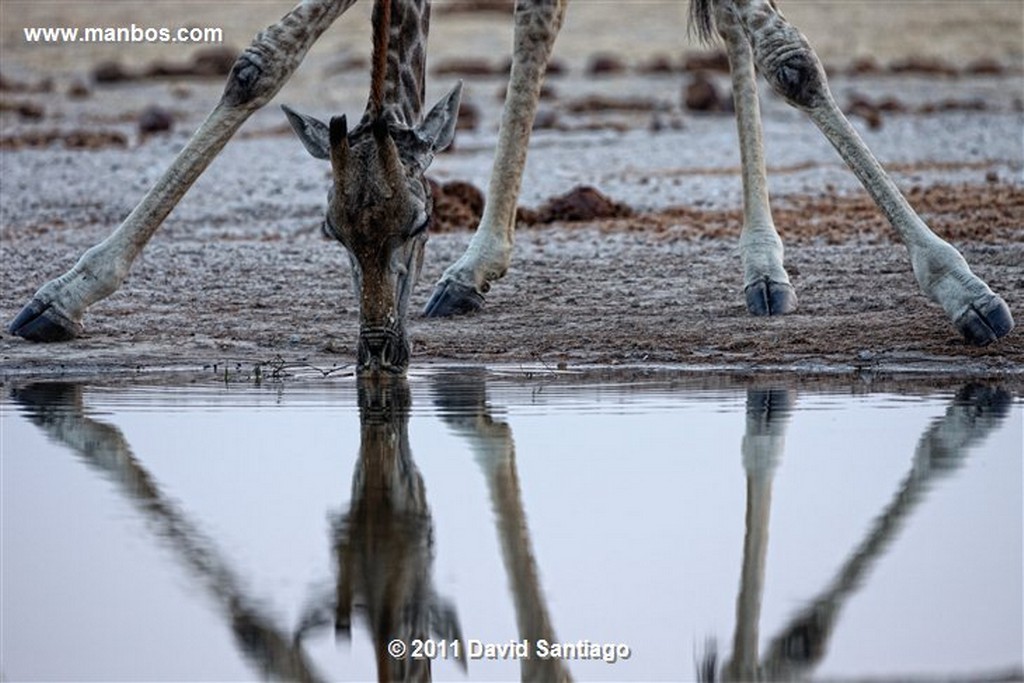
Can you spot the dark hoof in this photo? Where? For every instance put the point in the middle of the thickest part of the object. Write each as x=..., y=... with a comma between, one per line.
x=765, y=297
x=40, y=322
x=985, y=321
x=451, y=298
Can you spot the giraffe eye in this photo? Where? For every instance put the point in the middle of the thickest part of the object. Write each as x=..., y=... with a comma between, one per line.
x=420, y=226
x=329, y=230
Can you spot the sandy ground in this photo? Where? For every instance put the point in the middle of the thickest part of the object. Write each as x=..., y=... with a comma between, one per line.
x=238, y=276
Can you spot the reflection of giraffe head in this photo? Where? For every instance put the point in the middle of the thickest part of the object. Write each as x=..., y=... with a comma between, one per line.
x=379, y=204
x=384, y=544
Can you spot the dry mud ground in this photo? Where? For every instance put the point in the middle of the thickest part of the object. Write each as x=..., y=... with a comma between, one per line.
x=239, y=277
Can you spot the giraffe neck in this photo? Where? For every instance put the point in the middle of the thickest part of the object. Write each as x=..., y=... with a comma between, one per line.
x=405, y=73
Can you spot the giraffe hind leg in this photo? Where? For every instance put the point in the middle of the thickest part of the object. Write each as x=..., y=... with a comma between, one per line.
x=766, y=284
x=783, y=55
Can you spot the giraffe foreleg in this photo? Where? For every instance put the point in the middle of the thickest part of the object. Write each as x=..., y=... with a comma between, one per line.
x=786, y=59
x=765, y=281
x=462, y=287
x=56, y=310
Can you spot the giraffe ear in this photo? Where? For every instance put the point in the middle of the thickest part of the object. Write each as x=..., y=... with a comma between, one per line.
x=438, y=127
x=313, y=133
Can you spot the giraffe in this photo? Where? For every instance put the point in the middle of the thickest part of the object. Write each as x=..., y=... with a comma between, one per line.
x=392, y=146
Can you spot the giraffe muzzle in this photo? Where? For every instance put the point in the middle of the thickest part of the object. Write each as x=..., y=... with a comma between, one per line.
x=382, y=350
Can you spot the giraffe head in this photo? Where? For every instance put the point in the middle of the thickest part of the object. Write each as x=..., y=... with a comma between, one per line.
x=379, y=208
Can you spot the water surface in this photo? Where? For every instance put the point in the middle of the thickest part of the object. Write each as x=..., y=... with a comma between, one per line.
x=232, y=532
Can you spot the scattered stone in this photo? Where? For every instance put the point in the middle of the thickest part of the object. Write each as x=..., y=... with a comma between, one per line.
x=658, y=64
x=600, y=103
x=930, y=66
x=458, y=205
x=110, y=72
x=474, y=6
x=547, y=119
x=8, y=84
x=78, y=90
x=210, y=62
x=866, y=109
x=953, y=105
x=605, y=64
x=26, y=109
x=75, y=139
x=467, y=67
x=701, y=94
x=863, y=66
x=213, y=62
x=582, y=203
x=468, y=118
x=716, y=61
x=155, y=119
x=556, y=67
x=666, y=120
x=986, y=66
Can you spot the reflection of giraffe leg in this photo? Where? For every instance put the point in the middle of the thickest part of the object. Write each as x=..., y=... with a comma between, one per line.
x=468, y=414
x=763, y=443
x=57, y=409
x=974, y=414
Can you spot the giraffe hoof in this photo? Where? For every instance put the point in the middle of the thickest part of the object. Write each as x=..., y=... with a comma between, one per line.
x=985, y=321
x=765, y=297
x=451, y=298
x=41, y=322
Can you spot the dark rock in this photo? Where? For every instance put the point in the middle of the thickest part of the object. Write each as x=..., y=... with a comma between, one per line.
x=458, y=205
x=111, y=72
x=155, y=119
x=467, y=67
x=701, y=94
x=601, y=64
x=706, y=61
x=78, y=90
x=582, y=203
x=469, y=117
x=213, y=62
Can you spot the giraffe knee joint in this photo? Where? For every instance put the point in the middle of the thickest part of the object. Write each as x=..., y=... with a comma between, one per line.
x=788, y=62
x=798, y=77
x=245, y=81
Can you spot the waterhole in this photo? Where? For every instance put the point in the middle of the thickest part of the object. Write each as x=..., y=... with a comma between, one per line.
x=504, y=527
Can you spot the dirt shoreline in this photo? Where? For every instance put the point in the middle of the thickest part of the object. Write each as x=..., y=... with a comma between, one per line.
x=653, y=293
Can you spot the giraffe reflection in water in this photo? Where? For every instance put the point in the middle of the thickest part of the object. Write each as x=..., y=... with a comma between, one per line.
x=383, y=544
x=802, y=643
x=58, y=409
